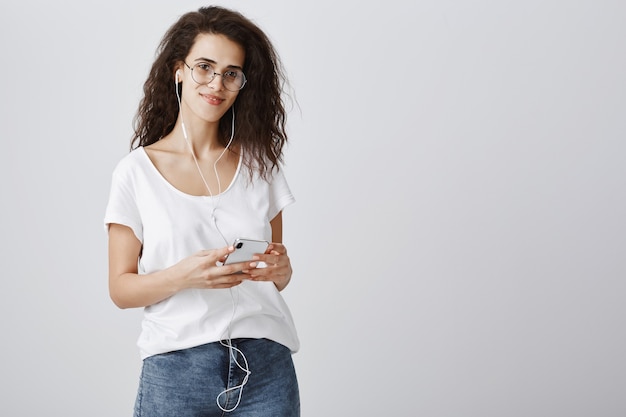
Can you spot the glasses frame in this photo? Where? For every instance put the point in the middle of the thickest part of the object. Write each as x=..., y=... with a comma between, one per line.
x=245, y=80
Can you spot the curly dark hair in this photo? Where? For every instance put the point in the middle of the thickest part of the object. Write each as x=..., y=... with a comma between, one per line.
x=260, y=111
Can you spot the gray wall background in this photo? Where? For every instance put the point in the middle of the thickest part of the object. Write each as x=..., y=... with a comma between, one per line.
x=459, y=234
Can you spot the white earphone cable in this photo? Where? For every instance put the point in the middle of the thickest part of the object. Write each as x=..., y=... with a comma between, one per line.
x=195, y=159
x=233, y=351
x=226, y=342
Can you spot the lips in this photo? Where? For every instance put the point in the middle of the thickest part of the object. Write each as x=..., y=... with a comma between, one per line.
x=211, y=99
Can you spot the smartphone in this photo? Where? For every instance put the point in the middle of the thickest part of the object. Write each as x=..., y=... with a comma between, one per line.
x=245, y=249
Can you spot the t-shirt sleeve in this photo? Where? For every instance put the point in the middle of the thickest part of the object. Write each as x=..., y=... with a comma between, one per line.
x=280, y=194
x=122, y=206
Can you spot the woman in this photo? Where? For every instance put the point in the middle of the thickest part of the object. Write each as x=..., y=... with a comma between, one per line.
x=204, y=170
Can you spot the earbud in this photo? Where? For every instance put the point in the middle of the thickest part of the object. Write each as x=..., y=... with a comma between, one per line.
x=177, y=76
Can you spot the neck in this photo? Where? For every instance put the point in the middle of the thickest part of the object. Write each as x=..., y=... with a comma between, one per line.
x=202, y=138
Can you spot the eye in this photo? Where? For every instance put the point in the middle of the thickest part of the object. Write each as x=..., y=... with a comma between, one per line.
x=231, y=75
x=204, y=68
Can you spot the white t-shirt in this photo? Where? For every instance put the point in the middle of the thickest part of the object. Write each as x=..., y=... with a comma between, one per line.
x=172, y=225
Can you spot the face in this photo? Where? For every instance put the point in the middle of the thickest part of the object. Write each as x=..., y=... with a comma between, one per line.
x=210, y=99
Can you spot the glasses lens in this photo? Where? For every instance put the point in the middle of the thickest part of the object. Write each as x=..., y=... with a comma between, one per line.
x=202, y=73
x=233, y=80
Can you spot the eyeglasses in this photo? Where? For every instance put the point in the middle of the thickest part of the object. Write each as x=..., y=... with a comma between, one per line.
x=203, y=73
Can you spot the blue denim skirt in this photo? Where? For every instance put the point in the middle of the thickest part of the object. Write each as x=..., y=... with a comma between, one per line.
x=252, y=378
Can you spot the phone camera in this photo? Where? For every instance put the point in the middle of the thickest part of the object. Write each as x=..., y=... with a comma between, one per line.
x=239, y=245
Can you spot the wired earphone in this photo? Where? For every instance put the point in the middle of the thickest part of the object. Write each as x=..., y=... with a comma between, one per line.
x=193, y=154
x=232, y=350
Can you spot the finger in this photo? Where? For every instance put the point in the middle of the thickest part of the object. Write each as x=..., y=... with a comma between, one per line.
x=275, y=259
x=235, y=268
x=226, y=285
x=222, y=253
x=278, y=247
x=271, y=273
x=269, y=258
x=226, y=280
x=219, y=253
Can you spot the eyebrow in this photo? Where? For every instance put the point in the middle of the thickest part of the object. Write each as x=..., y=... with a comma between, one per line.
x=211, y=61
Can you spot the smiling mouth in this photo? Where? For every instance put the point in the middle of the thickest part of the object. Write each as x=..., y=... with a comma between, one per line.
x=212, y=99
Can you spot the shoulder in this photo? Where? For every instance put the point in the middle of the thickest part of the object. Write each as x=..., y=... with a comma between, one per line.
x=263, y=171
x=132, y=161
x=275, y=181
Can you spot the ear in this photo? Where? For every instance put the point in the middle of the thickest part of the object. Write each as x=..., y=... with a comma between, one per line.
x=178, y=73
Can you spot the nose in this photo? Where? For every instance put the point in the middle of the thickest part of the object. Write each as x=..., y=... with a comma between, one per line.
x=219, y=85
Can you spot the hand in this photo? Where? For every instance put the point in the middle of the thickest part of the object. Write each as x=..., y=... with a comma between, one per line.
x=277, y=269
x=200, y=270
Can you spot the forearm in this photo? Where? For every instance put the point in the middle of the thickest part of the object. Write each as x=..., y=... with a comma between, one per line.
x=130, y=290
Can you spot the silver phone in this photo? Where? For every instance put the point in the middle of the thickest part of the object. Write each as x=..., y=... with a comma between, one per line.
x=245, y=249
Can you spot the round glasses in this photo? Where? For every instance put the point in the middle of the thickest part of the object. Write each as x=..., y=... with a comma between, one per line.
x=203, y=73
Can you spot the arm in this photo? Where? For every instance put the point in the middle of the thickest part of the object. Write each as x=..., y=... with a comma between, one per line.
x=277, y=228
x=129, y=289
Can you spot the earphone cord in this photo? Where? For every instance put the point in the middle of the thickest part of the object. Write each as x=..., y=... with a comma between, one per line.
x=232, y=351
x=195, y=159
x=226, y=342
